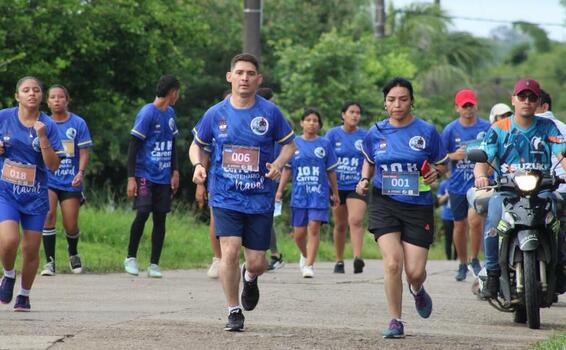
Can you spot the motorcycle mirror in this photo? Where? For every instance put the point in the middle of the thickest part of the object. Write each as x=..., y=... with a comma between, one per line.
x=477, y=155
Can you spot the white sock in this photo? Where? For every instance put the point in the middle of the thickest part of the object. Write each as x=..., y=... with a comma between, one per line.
x=10, y=273
x=233, y=308
x=248, y=278
x=24, y=292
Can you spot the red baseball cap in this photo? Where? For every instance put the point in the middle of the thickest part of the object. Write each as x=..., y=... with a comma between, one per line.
x=465, y=96
x=527, y=84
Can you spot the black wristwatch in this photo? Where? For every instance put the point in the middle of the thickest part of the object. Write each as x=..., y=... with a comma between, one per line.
x=364, y=178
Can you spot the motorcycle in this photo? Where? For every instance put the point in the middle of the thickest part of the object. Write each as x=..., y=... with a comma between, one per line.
x=528, y=243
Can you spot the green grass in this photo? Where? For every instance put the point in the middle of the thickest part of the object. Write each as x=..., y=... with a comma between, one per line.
x=105, y=235
x=556, y=342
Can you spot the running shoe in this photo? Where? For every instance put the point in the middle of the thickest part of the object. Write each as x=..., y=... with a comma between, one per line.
x=131, y=266
x=276, y=263
x=302, y=262
x=22, y=304
x=423, y=302
x=461, y=273
x=49, y=268
x=153, y=271
x=213, y=269
x=474, y=267
x=395, y=330
x=359, y=265
x=235, y=321
x=339, y=267
x=250, y=292
x=75, y=264
x=7, y=289
x=308, y=272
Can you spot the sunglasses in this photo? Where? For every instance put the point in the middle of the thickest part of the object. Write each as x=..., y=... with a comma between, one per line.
x=531, y=97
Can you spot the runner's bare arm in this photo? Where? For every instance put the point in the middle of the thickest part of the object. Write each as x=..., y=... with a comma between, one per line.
x=83, y=161
x=285, y=176
x=50, y=158
x=367, y=173
x=334, y=197
x=200, y=160
x=274, y=169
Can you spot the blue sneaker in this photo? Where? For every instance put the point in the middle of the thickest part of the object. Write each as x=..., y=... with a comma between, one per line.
x=395, y=330
x=7, y=289
x=423, y=302
x=22, y=304
x=475, y=267
x=462, y=273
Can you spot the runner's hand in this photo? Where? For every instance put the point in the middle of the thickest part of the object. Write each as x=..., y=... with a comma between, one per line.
x=199, y=175
x=175, y=182
x=335, y=198
x=278, y=196
x=430, y=176
x=459, y=154
x=132, y=189
x=481, y=182
x=39, y=128
x=77, y=180
x=274, y=172
x=200, y=195
x=2, y=149
x=362, y=187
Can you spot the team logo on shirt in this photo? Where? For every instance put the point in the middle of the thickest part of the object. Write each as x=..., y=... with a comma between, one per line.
x=71, y=133
x=222, y=126
x=172, y=124
x=417, y=143
x=338, y=144
x=537, y=145
x=358, y=145
x=259, y=125
x=35, y=145
x=319, y=152
x=481, y=135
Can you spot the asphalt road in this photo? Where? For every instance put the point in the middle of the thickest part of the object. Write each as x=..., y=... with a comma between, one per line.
x=186, y=310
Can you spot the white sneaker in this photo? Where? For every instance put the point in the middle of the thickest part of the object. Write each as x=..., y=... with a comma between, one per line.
x=49, y=269
x=302, y=262
x=213, y=269
x=308, y=272
x=131, y=266
x=153, y=271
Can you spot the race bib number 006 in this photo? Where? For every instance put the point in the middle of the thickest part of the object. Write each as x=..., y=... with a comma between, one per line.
x=400, y=183
x=240, y=157
x=18, y=174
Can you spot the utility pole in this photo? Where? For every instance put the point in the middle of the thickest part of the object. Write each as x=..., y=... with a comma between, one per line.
x=380, y=18
x=252, y=25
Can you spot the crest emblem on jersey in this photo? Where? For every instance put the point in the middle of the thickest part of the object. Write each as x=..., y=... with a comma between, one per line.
x=338, y=144
x=382, y=144
x=35, y=145
x=71, y=133
x=358, y=145
x=481, y=135
x=259, y=125
x=457, y=140
x=537, y=144
x=319, y=152
x=417, y=143
x=222, y=126
x=172, y=124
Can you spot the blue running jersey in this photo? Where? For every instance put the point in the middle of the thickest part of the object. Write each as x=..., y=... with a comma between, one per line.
x=516, y=148
x=454, y=136
x=156, y=129
x=24, y=174
x=244, y=142
x=310, y=164
x=446, y=211
x=74, y=135
x=403, y=150
x=348, y=148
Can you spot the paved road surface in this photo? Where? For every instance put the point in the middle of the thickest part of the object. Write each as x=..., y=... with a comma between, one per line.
x=185, y=310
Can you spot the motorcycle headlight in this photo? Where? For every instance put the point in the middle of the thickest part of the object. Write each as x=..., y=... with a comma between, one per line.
x=526, y=182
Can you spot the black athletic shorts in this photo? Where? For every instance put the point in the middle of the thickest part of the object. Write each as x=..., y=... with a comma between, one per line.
x=153, y=197
x=62, y=195
x=345, y=194
x=415, y=222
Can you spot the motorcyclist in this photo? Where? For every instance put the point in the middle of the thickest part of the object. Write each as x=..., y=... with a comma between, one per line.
x=522, y=141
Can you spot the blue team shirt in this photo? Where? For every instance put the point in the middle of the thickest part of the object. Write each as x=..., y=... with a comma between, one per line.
x=156, y=129
x=403, y=149
x=516, y=148
x=235, y=181
x=310, y=165
x=454, y=136
x=74, y=135
x=348, y=148
x=21, y=146
x=446, y=211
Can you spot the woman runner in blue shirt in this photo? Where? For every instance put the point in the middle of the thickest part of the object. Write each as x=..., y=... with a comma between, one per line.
x=312, y=170
x=398, y=151
x=66, y=184
x=29, y=147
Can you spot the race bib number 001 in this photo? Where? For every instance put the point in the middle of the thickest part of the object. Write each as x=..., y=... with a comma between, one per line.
x=240, y=157
x=18, y=174
x=400, y=183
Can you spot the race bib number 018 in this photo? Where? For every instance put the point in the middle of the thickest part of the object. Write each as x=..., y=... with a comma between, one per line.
x=240, y=157
x=18, y=174
x=400, y=183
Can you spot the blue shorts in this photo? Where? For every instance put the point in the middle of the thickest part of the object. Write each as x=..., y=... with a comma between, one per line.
x=254, y=229
x=459, y=206
x=28, y=222
x=302, y=216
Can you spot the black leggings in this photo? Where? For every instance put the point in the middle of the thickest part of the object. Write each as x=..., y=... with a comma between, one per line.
x=449, y=249
x=157, y=235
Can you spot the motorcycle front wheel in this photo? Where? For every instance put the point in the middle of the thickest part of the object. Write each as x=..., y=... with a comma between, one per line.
x=531, y=289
